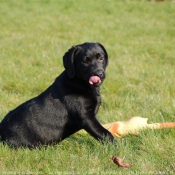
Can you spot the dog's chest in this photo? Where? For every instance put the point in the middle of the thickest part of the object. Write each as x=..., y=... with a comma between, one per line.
x=97, y=104
x=92, y=103
x=82, y=104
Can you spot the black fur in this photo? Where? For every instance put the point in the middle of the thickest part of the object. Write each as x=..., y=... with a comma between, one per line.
x=68, y=105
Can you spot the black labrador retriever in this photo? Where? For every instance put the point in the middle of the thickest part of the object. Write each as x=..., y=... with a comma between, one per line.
x=68, y=105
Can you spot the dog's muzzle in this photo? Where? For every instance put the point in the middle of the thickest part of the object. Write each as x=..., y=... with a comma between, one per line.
x=97, y=78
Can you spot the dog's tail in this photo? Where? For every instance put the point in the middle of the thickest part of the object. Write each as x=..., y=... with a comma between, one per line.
x=0, y=129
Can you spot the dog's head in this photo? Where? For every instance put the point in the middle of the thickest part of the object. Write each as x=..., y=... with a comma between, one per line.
x=87, y=62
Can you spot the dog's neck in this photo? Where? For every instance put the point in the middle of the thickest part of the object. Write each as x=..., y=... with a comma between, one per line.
x=96, y=90
x=80, y=83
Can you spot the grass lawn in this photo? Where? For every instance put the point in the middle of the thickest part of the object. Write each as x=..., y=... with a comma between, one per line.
x=140, y=39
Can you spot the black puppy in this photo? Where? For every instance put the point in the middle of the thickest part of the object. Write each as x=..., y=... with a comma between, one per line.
x=68, y=105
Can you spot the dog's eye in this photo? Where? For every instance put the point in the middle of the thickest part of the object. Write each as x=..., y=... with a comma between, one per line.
x=87, y=60
x=98, y=55
x=101, y=59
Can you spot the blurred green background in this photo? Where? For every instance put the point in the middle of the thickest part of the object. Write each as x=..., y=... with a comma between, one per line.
x=140, y=39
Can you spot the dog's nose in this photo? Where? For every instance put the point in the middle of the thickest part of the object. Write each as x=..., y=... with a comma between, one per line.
x=100, y=73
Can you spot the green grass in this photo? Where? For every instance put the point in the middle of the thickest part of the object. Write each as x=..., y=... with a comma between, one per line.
x=140, y=39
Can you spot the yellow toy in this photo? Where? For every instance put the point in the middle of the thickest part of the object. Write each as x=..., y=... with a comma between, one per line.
x=133, y=126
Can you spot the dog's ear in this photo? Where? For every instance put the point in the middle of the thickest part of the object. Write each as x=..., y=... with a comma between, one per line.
x=68, y=61
x=106, y=54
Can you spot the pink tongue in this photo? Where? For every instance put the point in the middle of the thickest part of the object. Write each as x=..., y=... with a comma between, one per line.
x=94, y=80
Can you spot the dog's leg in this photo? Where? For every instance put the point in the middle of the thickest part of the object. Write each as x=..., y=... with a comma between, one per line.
x=94, y=128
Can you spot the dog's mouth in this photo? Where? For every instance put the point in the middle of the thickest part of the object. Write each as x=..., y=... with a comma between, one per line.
x=95, y=80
